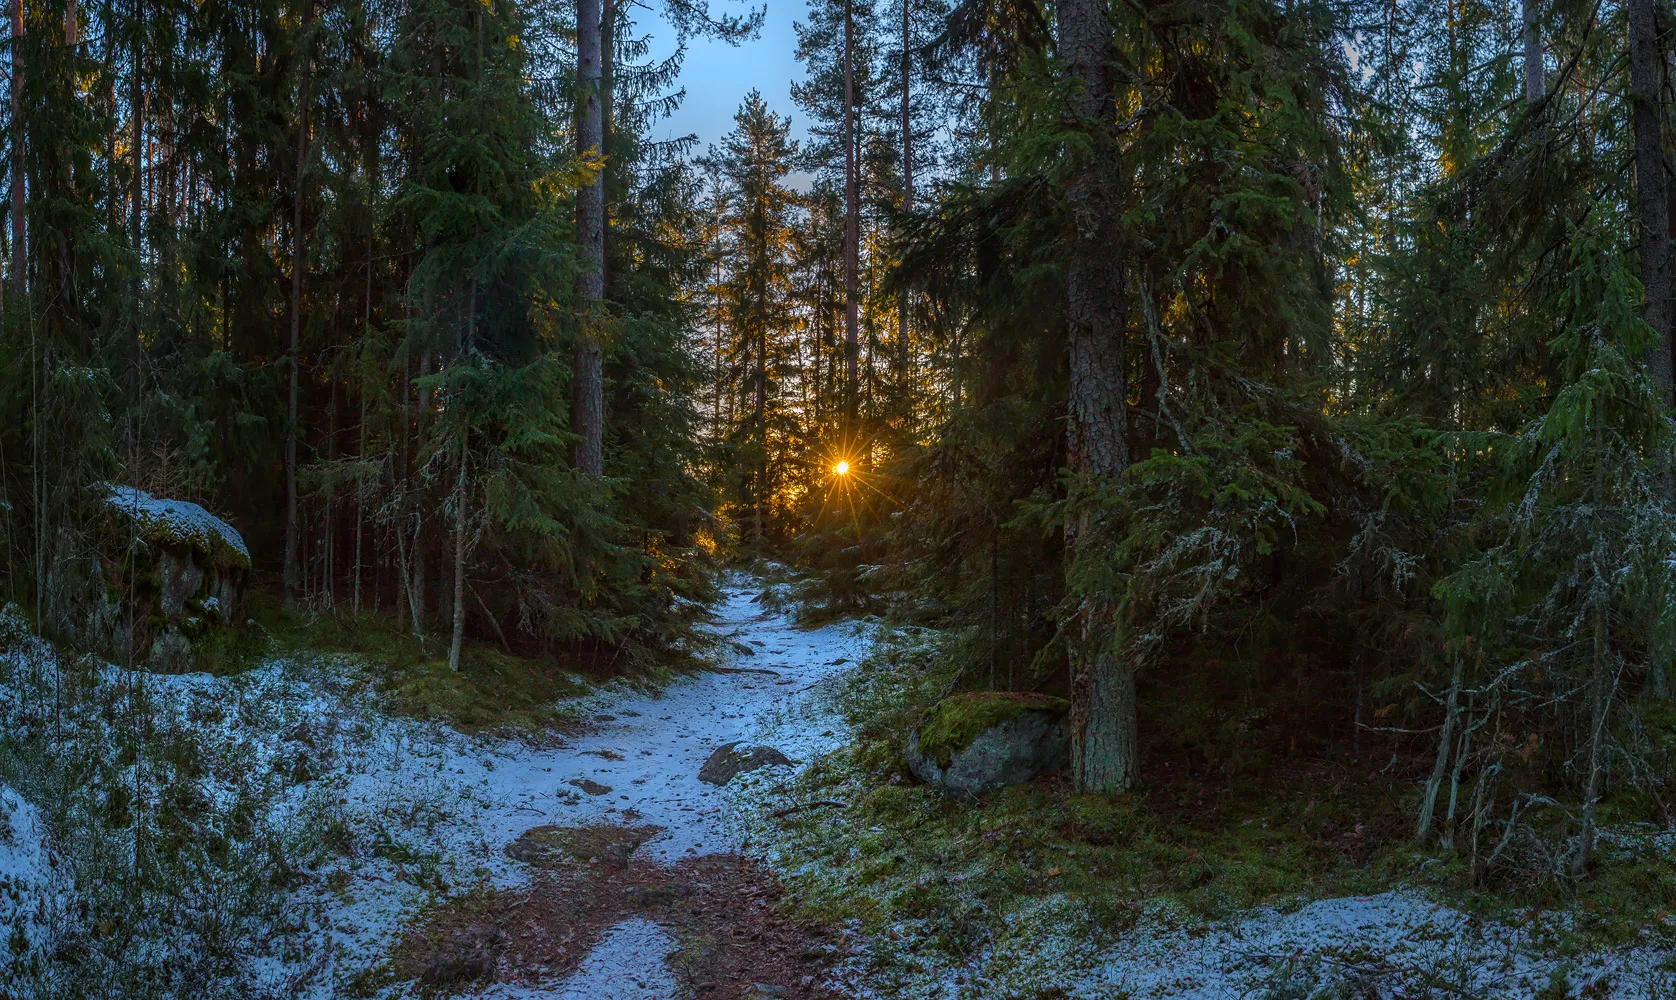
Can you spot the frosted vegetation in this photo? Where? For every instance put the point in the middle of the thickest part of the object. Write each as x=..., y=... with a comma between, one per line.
x=270, y=834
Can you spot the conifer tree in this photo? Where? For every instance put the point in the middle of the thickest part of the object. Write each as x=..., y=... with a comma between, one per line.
x=756, y=220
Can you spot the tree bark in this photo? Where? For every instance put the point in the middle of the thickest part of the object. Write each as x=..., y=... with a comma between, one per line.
x=298, y=249
x=588, y=405
x=460, y=555
x=1534, y=86
x=852, y=231
x=1652, y=211
x=759, y=430
x=904, y=355
x=19, y=279
x=1104, y=741
x=1445, y=746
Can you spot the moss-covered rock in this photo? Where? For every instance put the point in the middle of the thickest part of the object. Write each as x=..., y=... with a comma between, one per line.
x=170, y=577
x=952, y=724
x=180, y=525
x=979, y=741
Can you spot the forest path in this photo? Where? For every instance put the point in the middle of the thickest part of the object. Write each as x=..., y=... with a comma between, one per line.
x=634, y=888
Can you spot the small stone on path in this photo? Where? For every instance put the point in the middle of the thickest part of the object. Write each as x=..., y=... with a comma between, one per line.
x=733, y=759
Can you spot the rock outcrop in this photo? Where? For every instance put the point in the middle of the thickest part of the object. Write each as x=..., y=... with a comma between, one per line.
x=169, y=577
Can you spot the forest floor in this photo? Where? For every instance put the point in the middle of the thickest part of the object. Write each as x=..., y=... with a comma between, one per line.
x=588, y=859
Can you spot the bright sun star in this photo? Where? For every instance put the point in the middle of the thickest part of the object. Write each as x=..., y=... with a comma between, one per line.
x=842, y=468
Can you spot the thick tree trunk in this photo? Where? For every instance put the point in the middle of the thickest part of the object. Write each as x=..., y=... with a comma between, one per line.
x=1103, y=744
x=1534, y=86
x=852, y=232
x=1652, y=212
x=588, y=402
x=298, y=251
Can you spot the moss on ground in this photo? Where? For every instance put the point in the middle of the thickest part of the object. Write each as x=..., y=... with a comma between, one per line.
x=910, y=865
x=952, y=724
x=492, y=689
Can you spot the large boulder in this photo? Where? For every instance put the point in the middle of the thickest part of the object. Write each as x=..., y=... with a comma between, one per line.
x=973, y=743
x=170, y=576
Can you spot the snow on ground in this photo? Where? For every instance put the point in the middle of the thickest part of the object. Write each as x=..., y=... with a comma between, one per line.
x=464, y=799
x=471, y=797
x=629, y=963
x=1383, y=947
x=413, y=809
x=24, y=864
x=1397, y=937
x=429, y=810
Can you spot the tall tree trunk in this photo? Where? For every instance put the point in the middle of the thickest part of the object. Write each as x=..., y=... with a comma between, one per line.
x=588, y=402
x=852, y=231
x=1104, y=751
x=1534, y=86
x=1445, y=746
x=460, y=554
x=418, y=585
x=759, y=430
x=607, y=83
x=72, y=24
x=1652, y=211
x=298, y=250
x=19, y=280
x=903, y=351
x=136, y=111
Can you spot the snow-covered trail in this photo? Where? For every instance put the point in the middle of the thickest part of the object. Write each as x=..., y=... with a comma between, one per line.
x=647, y=749
x=635, y=764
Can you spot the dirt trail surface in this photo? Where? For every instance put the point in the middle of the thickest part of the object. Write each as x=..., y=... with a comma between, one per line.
x=612, y=872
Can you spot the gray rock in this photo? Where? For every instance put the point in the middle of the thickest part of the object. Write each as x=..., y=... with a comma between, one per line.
x=179, y=579
x=1011, y=751
x=171, y=653
x=733, y=759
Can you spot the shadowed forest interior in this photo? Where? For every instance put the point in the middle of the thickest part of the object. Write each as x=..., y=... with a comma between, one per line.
x=1286, y=385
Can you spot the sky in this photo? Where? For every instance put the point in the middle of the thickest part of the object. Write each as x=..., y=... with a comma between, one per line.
x=717, y=76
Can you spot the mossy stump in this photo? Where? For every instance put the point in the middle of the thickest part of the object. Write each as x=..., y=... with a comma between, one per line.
x=977, y=742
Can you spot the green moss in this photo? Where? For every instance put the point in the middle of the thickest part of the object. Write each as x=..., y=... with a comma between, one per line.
x=973, y=877
x=491, y=690
x=226, y=651
x=952, y=724
x=160, y=531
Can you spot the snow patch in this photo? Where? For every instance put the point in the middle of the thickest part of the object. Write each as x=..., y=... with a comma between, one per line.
x=25, y=867
x=180, y=518
x=629, y=963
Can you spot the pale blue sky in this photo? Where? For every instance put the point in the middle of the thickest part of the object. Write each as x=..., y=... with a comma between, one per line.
x=717, y=76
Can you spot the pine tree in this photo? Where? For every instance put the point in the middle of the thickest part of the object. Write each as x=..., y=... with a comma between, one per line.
x=753, y=161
